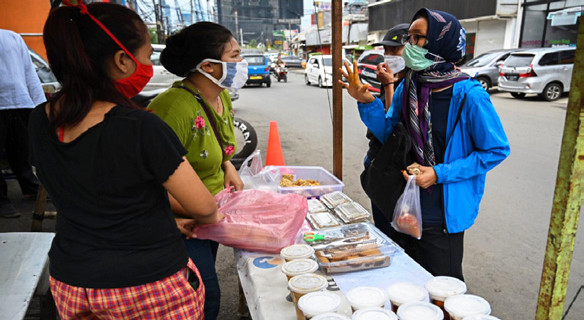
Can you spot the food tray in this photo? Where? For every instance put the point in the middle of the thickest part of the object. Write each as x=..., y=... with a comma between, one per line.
x=328, y=182
x=335, y=199
x=351, y=212
x=355, y=258
x=320, y=220
x=315, y=205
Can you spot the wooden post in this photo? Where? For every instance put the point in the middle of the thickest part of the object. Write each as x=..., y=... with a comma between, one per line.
x=567, y=199
x=337, y=44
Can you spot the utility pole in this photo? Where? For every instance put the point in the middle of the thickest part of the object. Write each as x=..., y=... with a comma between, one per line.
x=159, y=32
x=191, y=3
x=337, y=44
x=236, y=26
x=241, y=36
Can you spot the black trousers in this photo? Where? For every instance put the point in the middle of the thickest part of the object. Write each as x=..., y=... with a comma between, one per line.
x=438, y=251
x=14, y=140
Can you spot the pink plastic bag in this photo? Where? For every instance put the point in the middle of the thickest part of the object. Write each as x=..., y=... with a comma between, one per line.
x=256, y=220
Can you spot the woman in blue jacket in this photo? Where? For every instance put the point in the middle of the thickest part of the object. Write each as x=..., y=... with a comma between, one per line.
x=453, y=159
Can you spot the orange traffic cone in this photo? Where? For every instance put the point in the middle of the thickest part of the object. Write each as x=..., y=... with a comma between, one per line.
x=274, y=155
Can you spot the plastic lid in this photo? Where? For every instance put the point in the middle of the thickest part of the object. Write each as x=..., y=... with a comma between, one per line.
x=442, y=287
x=331, y=316
x=297, y=251
x=374, y=314
x=463, y=305
x=366, y=297
x=480, y=317
x=419, y=311
x=319, y=302
x=404, y=292
x=299, y=266
x=308, y=282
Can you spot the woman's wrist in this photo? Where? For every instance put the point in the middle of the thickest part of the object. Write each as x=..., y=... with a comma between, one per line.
x=388, y=83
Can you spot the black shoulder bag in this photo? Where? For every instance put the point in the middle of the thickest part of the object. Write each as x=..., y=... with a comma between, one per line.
x=383, y=181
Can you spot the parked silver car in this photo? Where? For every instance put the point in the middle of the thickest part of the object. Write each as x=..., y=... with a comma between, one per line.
x=544, y=71
x=485, y=67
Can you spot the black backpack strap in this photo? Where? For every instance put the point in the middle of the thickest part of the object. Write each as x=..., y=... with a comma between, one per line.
x=457, y=117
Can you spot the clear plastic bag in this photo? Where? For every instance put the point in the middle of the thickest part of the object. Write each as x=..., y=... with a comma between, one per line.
x=407, y=215
x=256, y=220
x=254, y=176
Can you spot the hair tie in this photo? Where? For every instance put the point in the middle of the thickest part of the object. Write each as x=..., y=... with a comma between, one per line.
x=79, y=5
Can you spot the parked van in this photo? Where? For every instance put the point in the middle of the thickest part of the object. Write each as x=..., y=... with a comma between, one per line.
x=544, y=71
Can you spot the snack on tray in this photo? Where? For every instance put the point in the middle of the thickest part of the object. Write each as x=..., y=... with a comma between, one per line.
x=314, y=206
x=351, y=212
x=353, y=257
x=334, y=199
x=408, y=223
x=322, y=220
x=288, y=181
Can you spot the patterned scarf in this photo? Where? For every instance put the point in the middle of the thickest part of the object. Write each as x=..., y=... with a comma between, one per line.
x=446, y=42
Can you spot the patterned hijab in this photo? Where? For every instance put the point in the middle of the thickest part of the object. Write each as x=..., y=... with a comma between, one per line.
x=446, y=44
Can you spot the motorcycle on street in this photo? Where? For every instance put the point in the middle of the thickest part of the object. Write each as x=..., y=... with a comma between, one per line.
x=280, y=72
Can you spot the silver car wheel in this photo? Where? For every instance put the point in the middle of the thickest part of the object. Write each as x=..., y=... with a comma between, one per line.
x=552, y=92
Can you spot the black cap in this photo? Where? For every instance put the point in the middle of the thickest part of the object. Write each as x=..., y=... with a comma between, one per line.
x=393, y=36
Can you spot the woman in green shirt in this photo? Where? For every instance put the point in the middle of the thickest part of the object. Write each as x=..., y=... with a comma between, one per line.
x=199, y=110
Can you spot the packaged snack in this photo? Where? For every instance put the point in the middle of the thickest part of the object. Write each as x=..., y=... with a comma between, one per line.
x=462, y=305
x=354, y=257
x=315, y=205
x=374, y=313
x=304, y=284
x=322, y=220
x=404, y=292
x=334, y=199
x=351, y=212
x=419, y=311
x=315, y=303
x=366, y=297
x=297, y=251
x=407, y=216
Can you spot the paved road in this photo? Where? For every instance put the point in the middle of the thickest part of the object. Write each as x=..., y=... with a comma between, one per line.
x=504, y=249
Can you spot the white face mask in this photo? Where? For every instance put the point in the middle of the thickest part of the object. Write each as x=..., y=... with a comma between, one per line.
x=395, y=63
x=234, y=74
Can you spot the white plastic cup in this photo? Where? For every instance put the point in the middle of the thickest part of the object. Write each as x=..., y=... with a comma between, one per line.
x=297, y=251
x=419, y=311
x=404, y=292
x=316, y=303
x=331, y=316
x=463, y=305
x=374, y=314
x=366, y=297
x=304, y=284
x=443, y=287
x=298, y=267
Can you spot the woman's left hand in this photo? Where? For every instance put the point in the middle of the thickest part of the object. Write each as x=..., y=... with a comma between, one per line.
x=232, y=178
x=425, y=179
x=186, y=226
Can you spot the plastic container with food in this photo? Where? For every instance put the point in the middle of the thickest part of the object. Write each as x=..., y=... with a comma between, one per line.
x=303, y=284
x=335, y=199
x=462, y=305
x=374, y=314
x=351, y=212
x=419, y=311
x=366, y=297
x=331, y=316
x=442, y=287
x=299, y=266
x=404, y=292
x=354, y=257
x=321, y=220
x=315, y=205
x=328, y=182
x=315, y=303
x=297, y=251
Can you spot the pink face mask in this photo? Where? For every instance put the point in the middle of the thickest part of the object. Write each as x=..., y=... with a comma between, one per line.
x=129, y=86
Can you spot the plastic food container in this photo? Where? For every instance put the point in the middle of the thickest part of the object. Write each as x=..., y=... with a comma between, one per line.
x=335, y=199
x=480, y=317
x=303, y=284
x=322, y=220
x=328, y=182
x=297, y=251
x=374, y=314
x=331, y=316
x=442, y=287
x=315, y=303
x=315, y=205
x=463, y=305
x=351, y=212
x=404, y=292
x=366, y=297
x=298, y=267
x=354, y=258
x=419, y=311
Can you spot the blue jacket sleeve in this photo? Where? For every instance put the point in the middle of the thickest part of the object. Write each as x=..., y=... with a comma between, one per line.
x=373, y=115
x=490, y=144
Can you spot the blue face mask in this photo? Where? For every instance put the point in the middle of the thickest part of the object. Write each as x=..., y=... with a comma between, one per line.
x=234, y=74
x=415, y=57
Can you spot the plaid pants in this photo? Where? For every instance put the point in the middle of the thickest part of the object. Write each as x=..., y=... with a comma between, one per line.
x=169, y=298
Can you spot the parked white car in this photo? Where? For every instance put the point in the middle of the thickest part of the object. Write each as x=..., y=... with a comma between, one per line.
x=319, y=70
x=162, y=78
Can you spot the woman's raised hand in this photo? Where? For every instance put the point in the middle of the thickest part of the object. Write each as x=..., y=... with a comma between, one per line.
x=354, y=86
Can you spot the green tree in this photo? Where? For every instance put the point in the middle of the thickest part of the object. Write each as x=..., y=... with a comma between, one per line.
x=253, y=43
x=153, y=35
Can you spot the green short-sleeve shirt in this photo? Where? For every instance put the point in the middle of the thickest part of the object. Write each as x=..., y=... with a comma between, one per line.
x=185, y=115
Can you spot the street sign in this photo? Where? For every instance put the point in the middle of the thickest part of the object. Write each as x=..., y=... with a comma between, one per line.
x=290, y=21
